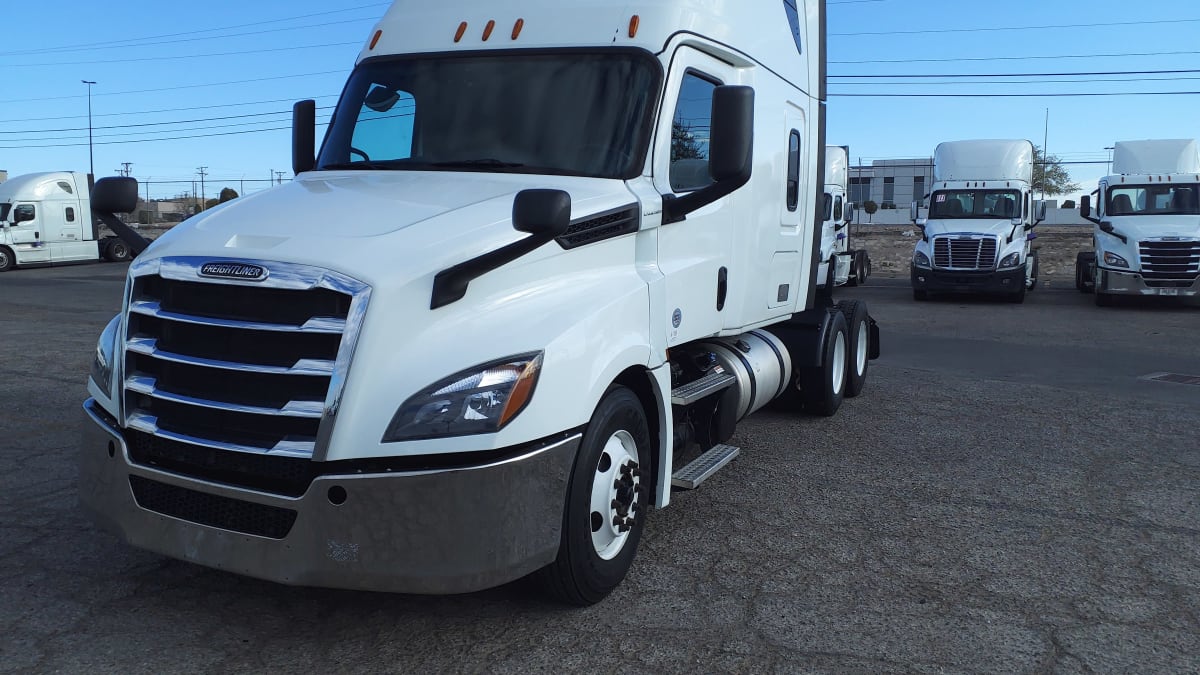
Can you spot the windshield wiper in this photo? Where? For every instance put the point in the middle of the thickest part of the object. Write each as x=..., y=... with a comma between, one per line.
x=484, y=162
x=365, y=166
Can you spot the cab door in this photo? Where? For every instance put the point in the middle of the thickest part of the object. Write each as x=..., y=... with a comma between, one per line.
x=693, y=254
x=70, y=244
x=26, y=232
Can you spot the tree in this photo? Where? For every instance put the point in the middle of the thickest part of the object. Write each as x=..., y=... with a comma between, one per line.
x=683, y=143
x=1050, y=176
x=870, y=207
x=227, y=194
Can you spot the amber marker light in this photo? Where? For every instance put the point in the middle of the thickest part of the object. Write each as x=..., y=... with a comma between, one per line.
x=517, y=28
x=462, y=29
x=487, y=30
x=375, y=39
x=522, y=391
x=633, y=25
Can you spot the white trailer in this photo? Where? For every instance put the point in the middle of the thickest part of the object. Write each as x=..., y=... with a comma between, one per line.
x=976, y=238
x=1147, y=214
x=547, y=257
x=46, y=219
x=843, y=265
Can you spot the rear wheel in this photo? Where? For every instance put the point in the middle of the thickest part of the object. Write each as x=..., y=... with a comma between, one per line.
x=859, y=334
x=823, y=387
x=862, y=266
x=606, y=503
x=7, y=259
x=116, y=251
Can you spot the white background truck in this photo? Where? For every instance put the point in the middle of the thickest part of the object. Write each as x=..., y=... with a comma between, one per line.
x=547, y=257
x=46, y=219
x=1147, y=215
x=848, y=267
x=976, y=238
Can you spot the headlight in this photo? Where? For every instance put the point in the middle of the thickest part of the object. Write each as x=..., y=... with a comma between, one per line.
x=920, y=260
x=478, y=400
x=1114, y=260
x=1011, y=260
x=102, y=363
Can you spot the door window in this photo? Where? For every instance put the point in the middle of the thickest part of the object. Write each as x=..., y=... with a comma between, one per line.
x=70, y=215
x=24, y=212
x=793, y=171
x=689, y=134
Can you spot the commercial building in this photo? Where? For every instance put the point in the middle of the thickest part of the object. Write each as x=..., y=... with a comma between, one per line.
x=891, y=183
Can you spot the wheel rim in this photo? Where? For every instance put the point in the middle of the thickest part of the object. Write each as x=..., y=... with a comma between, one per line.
x=615, y=488
x=119, y=251
x=3, y=259
x=860, y=354
x=839, y=363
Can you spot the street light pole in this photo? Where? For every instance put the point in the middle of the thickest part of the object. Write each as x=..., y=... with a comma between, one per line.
x=91, y=157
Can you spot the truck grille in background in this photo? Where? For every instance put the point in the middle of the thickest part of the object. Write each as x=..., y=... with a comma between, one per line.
x=961, y=253
x=218, y=374
x=1170, y=260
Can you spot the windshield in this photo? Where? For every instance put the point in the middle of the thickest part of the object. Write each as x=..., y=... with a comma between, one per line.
x=975, y=204
x=571, y=113
x=1153, y=200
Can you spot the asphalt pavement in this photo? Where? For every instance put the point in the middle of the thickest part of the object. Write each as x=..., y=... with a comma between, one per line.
x=1011, y=493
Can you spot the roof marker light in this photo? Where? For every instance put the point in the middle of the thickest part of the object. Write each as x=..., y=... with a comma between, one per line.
x=487, y=30
x=375, y=39
x=633, y=25
x=517, y=28
x=462, y=28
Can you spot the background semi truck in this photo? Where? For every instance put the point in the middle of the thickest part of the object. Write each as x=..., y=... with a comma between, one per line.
x=846, y=266
x=1147, y=214
x=46, y=219
x=976, y=238
x=544, y=262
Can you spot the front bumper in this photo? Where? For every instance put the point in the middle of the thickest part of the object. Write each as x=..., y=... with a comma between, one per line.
x=1114, y=282
x=443, y=531
x=944, y=281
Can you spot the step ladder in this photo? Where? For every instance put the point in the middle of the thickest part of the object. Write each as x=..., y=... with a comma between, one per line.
x=698, y=389
x=698, y=470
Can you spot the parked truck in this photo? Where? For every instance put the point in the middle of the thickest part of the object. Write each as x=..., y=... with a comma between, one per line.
x=545, y=260
x=977, y=235
x=843, y=266
x=1146, y=240
x=46, y=219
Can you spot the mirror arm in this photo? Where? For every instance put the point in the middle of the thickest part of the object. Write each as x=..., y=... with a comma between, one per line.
x=137, y=243
x=676, y=208
x=450, y=285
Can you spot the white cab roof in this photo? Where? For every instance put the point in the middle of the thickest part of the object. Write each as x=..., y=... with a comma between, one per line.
x=43, y=186
x=837, y=165
x=983, y=160
x=1158, y=156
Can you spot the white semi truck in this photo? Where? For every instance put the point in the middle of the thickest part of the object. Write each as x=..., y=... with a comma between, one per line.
x=976, y=238
x=46, y=219
x=843, y=266
x=547, y=257
x=1147, y=214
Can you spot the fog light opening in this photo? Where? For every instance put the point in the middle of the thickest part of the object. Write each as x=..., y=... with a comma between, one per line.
x=337, y=495
x=112, y=449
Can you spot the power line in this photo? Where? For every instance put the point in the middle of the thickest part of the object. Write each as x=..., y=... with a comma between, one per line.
x=157, y=124
x=162, y=110
x=341, y=71
x=259, y=50
x=928, y=31
x=998, y=75
x=1023, y=95
x=957, y=82
x=1017, y=58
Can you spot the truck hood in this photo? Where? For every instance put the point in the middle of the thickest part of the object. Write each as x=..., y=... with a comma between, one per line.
x=377, y=226
x=998, y=227
x=1144, y=228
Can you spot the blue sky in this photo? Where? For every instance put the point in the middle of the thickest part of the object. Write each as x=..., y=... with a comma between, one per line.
x=170, y=70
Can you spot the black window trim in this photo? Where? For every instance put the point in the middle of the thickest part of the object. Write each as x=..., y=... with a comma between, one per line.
x=701, y=75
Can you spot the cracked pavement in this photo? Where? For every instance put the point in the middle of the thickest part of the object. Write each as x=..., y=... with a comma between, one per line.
x=1006, y=496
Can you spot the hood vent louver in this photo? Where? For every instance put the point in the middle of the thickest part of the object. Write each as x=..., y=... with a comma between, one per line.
x=614, y=223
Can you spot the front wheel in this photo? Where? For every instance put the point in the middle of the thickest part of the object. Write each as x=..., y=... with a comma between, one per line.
x=606, y=503
x=117, y=251
x=7, y=259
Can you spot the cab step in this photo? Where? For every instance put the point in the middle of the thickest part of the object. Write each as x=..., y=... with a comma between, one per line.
x=699, y=469
x=698, y=389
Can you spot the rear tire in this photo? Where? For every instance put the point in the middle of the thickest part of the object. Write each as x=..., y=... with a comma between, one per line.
x=117, y=251
x=859, y=345
x=7, y=259
x=863, y=267
x=823, y=387
x=594, y=552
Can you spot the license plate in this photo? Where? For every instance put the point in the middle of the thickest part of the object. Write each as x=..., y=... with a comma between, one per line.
x=1168, y=291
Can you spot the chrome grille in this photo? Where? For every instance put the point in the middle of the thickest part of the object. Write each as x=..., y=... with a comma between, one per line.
x=233, y=365
x=1170, y=260
x=957, y=252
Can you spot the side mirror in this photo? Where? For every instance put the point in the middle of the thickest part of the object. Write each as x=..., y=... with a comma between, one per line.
x=1039, y=212
x=113, y=195
x=914, y=211
x=542, y=213
x=732, y=139
x=850, y=212
x=304, y=136
x=1085, y=206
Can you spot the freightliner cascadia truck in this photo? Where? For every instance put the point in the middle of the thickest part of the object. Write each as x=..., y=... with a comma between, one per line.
x=546, y=258
x=977, y=236
x=846, y=266
x=46, y=219
x=1146, y=240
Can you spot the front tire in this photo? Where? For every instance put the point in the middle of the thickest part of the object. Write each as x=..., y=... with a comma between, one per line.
x=116, y=251
x=7, y=259
x=606, y=503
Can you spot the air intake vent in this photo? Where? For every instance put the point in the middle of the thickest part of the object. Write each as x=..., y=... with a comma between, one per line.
x=599, y=227
x=957, y=252
x=221, y=512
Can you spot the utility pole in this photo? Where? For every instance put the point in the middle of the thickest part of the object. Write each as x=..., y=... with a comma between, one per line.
x=279, y=176
x=128, y=169
x=1045, y=153
x=203, y=171
x=91, y=157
